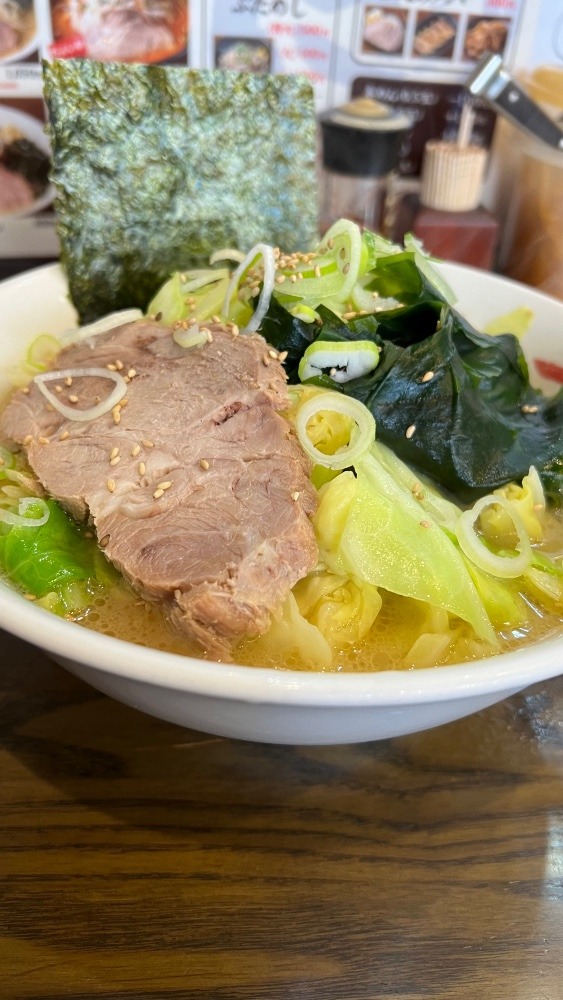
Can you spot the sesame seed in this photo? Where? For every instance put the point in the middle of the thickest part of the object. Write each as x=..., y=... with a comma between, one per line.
x=147, y=443
x=266, y=360
x=114, y=452
x=141, y=468
x=410, y=430
x=25, y=390
x=58, y=388
x=216, y=319
x=164, y=486
x=530, y=409
x=111, y=485
x=27, y=439
x=43, y=440
x=349, y=315
x=293, y=278
x=135, y=451
x=272, y=386
x=235, y=330
x=332, y=372
x=273, y=355
x=131, y=373
x=317, y=271
x=204, y=464
x=50, y=408
x=30, y=597
x=68, y=380
x=282, y=356
x=116, y=460
x=117, y=417
x=64, y=435
x=280, y=279
x=104, y=541
x=73, y=399
x=427, y=377
x=111, y=368
x=426, y=524
x=296, y=495
x=157, y=494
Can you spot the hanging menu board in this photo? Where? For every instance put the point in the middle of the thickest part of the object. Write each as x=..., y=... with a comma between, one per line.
x=413, y=54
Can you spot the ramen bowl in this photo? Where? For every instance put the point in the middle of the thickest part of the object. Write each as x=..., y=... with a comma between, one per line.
x=282, y=706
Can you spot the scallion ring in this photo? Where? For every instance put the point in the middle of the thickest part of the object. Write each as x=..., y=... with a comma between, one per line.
x=506, y=567
x=361, y=439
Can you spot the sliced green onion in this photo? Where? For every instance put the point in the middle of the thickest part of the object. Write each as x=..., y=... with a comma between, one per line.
x=360, y=441
x=371, y=302
x=109, y=322
x=536, y=488
x=267, y=253
x=192, y=281
x=547, y=584
x=6, y=459
x=340, y=361
x=424, y=262
x=71, y=413
x=227, y=253
x=192, y=337
x=507, y=567
x=42, y=351
x=21, y=520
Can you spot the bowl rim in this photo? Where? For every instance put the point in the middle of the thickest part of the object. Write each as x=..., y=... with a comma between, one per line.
x=117, y=657
x=71, y=642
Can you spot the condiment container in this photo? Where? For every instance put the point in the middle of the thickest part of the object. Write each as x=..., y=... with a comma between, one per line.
x=451, y=221
x=361, y=144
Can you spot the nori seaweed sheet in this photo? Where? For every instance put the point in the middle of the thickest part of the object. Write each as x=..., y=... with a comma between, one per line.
x=155, y=167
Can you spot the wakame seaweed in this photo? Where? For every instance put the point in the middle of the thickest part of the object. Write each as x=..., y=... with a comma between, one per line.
x=156, y=167
x=478, y=423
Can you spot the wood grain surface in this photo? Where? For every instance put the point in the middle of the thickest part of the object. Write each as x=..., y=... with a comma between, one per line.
x=142, y=861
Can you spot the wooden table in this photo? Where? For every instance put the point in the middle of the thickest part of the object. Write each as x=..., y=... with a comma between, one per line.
x=143, y=861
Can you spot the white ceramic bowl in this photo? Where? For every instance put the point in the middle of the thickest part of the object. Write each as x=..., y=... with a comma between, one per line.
x=267, y=705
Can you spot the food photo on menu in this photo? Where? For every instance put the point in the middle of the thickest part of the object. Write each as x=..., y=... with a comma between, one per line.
x=120, y=30
x=485, y=34
x=435, y=35
x=18, y=30
x=384, y=30
x=24, y=159
x=243, y=55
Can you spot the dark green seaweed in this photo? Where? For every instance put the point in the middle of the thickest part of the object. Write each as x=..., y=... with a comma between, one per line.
x=478, y=422
x=155, y=167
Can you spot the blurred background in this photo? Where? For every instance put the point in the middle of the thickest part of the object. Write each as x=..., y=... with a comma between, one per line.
x=403, y=143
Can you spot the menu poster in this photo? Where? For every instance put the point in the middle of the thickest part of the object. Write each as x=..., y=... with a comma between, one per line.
x=412, y=54
x=274, y=36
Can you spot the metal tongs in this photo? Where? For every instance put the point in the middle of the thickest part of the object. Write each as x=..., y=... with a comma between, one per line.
x=491, y=81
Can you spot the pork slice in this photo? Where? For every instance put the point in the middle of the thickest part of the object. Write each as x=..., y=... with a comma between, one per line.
x=206, y=509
